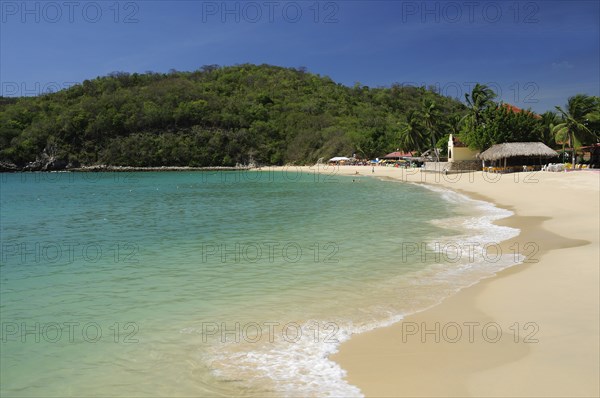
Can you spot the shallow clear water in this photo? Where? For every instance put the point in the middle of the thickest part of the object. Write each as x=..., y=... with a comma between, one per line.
x=208, y=283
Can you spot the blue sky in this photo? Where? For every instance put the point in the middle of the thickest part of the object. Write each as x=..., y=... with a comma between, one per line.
x=535, y=54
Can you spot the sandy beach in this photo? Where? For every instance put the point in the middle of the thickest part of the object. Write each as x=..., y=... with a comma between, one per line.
x=532, y=330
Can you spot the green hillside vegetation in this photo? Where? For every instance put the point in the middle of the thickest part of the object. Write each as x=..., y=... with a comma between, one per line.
x=215, y=116
x=223, y=116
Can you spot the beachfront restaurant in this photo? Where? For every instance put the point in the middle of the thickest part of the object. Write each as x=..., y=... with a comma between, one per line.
x=516, y=156
x=395, y=158
x=588, y=156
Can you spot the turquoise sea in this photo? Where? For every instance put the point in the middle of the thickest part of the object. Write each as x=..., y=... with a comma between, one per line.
x=218, y=283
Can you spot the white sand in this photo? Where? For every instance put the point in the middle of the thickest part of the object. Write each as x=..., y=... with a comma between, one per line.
x=556, y=300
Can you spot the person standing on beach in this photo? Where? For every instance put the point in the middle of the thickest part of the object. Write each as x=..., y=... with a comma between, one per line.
x=372, y=169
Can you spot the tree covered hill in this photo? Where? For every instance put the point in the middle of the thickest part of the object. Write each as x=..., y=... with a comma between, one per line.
x=215, y=116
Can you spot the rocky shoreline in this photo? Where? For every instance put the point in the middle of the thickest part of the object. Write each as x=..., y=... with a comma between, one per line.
x=12, y=168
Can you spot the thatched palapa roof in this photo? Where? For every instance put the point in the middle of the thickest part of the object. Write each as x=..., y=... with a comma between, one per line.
x=512, y=149
x=397, y=155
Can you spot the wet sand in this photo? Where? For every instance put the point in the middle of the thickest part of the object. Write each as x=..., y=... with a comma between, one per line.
x=532, y=330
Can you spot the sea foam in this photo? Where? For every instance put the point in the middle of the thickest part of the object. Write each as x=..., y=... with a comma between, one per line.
x=303, y=368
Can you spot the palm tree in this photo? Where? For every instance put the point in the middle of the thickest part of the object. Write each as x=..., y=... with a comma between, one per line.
x=481, y=97
x=561, y=137
x=431, y=119
x=548, y=121
x=411, y=134
x=454, y=124
x=581, y=109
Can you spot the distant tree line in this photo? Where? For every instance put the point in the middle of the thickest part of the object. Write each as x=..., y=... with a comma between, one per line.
x=487, y=122
x=222, y=116
x=213, y=116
